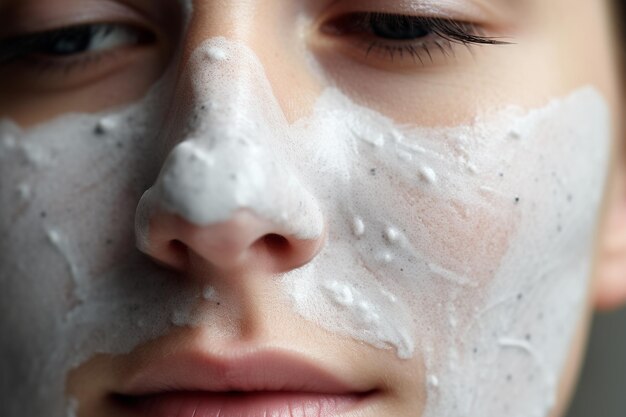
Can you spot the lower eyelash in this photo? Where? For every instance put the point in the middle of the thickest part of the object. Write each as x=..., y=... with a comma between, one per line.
x=421, y=53
x=68, y=65
x=29, y=47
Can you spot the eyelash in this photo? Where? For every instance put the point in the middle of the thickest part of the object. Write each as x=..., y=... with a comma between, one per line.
x=439, y=33
x=45, y=50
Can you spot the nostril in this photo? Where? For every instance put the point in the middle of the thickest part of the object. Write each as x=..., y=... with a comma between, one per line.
x=284, y=253
x=276, y=244
x=178, y=248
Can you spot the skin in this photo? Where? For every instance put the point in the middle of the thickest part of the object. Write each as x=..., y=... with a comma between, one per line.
x=548, y=58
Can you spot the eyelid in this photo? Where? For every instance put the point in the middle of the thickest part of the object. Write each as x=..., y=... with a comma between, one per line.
x=27, y=17
x=43, y=75
x=29, y=45
x=482, y=12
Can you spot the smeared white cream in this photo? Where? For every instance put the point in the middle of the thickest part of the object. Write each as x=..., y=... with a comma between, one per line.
x=471, y=245
x=496, y=218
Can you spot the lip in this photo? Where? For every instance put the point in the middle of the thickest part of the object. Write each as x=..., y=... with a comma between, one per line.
x=260, y=384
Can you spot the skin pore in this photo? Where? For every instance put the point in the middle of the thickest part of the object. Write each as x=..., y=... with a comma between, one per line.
x=299, y=48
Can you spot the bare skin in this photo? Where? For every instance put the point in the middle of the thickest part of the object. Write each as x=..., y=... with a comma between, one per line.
x=551, y=46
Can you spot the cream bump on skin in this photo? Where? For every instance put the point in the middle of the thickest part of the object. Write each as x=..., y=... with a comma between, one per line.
x=419, y=269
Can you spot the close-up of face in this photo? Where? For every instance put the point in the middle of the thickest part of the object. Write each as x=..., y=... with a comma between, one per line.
x=314, y=208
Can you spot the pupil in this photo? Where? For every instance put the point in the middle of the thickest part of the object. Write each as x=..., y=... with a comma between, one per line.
x=70, y=42
x=398, y=27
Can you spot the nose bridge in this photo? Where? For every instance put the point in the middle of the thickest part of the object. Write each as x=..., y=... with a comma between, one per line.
x=231, y=92
x=230, y=158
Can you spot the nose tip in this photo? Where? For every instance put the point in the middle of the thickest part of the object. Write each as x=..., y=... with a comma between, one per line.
x=229, y=210
x=243, y=242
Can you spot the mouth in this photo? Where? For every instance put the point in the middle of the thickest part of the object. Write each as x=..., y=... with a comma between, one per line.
x=266, y=384
x=241, y=404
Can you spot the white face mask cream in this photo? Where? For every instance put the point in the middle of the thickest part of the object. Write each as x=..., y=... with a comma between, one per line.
x=469, y=247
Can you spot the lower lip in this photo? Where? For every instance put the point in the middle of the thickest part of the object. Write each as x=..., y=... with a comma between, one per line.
x=261, y=404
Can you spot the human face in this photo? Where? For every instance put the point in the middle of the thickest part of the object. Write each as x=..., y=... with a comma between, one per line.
x=282, y=201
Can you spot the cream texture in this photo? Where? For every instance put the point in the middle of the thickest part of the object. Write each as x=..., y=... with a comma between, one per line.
x=469, y=247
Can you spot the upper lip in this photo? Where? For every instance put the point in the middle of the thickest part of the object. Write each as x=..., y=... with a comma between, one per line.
x=269, y=371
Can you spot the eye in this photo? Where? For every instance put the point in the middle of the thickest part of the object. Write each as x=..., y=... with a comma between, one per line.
x=83, y=66
x=72, y=42
x=398, y=27
x=420, y=37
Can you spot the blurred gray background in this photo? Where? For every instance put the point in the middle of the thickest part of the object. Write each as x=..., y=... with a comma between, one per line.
x=602, y=388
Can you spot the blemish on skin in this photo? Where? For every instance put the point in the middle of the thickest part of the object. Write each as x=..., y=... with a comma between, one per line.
x=106, y=125
x=373, y=172
x=385, y=257
x=392, y=235
x=377, y=141
x=179, y=318
x=395, y=136
x=428, y=175
x=515, y=134
x=216, y=54
x=209, y=293
x=34, y=154
x=9, y=142
x=390, y=297
x=58, y=242
x=358, y=227
x=54, y=237
x=488, y=190
x=340, y=293
x=24, y=192
x=405, y=155
x=522, y=345
x=367, y=313
x=517, y=200
x=451, y=276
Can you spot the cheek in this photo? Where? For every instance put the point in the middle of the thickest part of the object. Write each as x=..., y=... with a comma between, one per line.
x=73, y=282
x=470, y=245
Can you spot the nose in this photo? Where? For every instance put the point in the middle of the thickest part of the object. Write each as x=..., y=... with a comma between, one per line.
x=234, y=206
x=245, y=241
x=228, y=194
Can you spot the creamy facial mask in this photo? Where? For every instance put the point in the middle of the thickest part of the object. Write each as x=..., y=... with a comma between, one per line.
x=475, y=241
x=469, y=245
